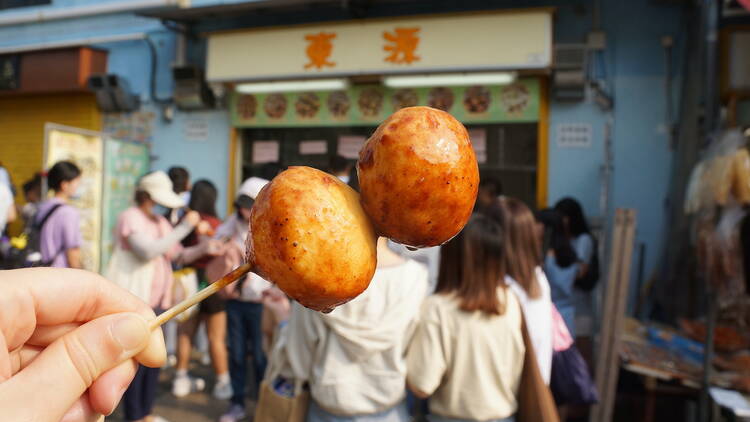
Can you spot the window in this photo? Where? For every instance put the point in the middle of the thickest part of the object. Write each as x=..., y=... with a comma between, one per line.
x=10, y=4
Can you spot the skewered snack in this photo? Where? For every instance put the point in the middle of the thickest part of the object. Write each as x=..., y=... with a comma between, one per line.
x=311, y=237
x=418, y=177
x=315, y=237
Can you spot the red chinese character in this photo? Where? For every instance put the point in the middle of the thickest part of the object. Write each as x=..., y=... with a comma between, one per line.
x=402, y=45
x=319, y=50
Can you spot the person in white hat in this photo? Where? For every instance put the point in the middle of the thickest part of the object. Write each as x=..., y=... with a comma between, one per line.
x=244, y=308
x=144, y=247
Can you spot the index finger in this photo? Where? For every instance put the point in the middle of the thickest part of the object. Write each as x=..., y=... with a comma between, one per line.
x=60, y=295
x=51, y=296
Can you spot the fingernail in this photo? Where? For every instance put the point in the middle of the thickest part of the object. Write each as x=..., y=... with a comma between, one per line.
x=130, y=331
x=117, y=397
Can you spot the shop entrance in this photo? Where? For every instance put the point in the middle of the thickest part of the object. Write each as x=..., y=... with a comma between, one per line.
x=510, y=157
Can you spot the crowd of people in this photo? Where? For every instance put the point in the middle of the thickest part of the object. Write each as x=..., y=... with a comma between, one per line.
x=446, y=326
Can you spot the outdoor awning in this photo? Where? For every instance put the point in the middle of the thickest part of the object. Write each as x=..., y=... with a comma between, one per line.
x=468, y=42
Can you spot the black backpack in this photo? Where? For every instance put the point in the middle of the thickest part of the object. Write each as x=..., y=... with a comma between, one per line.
x=589, y=280
x=31, y=255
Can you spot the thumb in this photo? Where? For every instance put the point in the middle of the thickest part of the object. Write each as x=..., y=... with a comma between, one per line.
x=67, y=367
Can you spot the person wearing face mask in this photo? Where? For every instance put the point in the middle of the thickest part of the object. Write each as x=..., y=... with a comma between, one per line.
x=340, y=167
x=145, y=246
x=60, y=235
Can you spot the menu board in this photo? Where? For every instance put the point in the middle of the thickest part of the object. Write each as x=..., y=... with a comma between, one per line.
x=85, y=149
x=124, y=163
x=368, y=105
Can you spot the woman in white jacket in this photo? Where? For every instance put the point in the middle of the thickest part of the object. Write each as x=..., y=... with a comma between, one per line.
x=354, y=357
x=522, y=260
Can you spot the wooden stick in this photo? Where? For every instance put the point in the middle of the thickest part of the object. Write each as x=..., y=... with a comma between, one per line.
x=198, y=297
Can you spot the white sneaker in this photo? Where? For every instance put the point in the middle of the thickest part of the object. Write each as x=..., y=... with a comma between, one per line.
x=223, y=390
x=205, y=359
x=235, y=413
x=184, y=385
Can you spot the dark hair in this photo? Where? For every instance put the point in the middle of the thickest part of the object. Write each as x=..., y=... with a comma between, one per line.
x=471, y=266
x=570, y=208
x=141, y=196
x=180, y=178
x=62, y=171
x=337, y=164
x=492, y=186
x=555, y=238
x=522, y=251
x=269, y=170
x=35, y=183
x=354, y=178
x=203, y=198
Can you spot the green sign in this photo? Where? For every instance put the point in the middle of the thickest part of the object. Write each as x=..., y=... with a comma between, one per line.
x=124, y=163
x=367, y=105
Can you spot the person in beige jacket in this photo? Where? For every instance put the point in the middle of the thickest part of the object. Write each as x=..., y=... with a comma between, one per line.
x=354, y=358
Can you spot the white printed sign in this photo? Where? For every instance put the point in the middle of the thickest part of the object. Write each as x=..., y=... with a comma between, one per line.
x=479, y=142
x=265, y=152
x=574, y=135
x=349, y=146
x=313, y=147
x=196, y=129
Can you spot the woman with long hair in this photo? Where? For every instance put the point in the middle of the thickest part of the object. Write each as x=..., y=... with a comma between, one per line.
x=468, y=351
x=560, y=264
x=211, y=311
x=522, y=260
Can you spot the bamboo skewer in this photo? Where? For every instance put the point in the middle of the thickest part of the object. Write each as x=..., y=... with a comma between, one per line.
x=198, y=297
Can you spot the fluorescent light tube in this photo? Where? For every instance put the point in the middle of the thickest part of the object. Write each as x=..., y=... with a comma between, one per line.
x=449, y=79
x=291, y=86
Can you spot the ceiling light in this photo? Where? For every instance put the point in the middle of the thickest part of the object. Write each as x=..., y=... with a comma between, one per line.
x=449, y=79
x=291, y=86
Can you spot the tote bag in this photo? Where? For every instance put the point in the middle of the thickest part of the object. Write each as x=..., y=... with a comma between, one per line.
x=131, y=273
x=535, y=402
x=273, y=405
x=185, y=285
x=570, y=380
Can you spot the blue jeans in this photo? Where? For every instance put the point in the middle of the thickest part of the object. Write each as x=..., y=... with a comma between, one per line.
x=398, y=413
x=436, y=418
x=243, y=328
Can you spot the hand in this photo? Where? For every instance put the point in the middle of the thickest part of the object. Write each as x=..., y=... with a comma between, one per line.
x=214, y=247
x=193, y=218
x=204, y=229
x=277, y=302
x=69, y=343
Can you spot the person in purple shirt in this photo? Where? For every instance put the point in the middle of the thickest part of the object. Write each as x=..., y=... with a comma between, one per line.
x=60, y=237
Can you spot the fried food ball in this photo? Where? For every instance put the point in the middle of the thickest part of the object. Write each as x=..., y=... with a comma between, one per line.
x=310, y=236
x=418, y=177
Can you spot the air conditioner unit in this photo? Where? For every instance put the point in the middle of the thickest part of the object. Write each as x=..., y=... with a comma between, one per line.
x=113, y=93
x=191, y=91
x=569, y=72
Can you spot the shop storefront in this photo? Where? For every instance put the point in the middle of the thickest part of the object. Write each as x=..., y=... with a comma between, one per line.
x=348, y=77
x=30, y=97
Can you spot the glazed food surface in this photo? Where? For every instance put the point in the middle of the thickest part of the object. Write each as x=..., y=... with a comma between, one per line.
x=310, y=236
x=418, y=177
